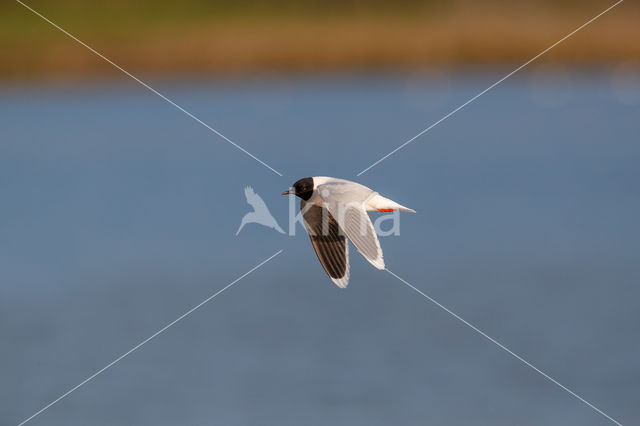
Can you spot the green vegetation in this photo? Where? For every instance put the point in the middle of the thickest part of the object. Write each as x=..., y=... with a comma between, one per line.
x=197, y=36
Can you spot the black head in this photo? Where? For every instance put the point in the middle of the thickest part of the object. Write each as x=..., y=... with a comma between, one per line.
x=302, y=188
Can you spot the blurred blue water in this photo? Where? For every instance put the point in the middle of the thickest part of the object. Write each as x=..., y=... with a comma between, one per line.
x=119, y=214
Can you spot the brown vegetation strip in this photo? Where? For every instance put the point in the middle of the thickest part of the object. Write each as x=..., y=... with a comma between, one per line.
x=336, y=43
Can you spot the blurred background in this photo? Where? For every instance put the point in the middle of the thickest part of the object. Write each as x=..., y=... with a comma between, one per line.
x=201, y=38
x=119, y=212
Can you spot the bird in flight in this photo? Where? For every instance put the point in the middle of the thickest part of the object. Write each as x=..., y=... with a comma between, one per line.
x=260, y=213
x=334, y=210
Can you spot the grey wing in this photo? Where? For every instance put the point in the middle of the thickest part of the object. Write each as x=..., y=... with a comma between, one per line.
x=346, y=203
x=330, y=245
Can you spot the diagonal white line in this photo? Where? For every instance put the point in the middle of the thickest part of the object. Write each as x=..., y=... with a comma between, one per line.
x=151, y=88
x=503, y=347
x=190, y=311
x=490, y=87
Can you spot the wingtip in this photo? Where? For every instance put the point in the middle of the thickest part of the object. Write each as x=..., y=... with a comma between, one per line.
x=340, y=283
x=379, y=264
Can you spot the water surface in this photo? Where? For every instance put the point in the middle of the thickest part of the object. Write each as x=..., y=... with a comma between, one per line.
x=119, y=214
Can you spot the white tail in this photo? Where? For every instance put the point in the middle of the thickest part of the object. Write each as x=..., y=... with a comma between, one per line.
x=378, y=203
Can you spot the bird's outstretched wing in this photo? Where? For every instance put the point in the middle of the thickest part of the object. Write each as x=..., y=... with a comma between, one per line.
x=346, y=202
x=254, y=200
x=249, y=192
x=330, y=245
x=262, y=215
